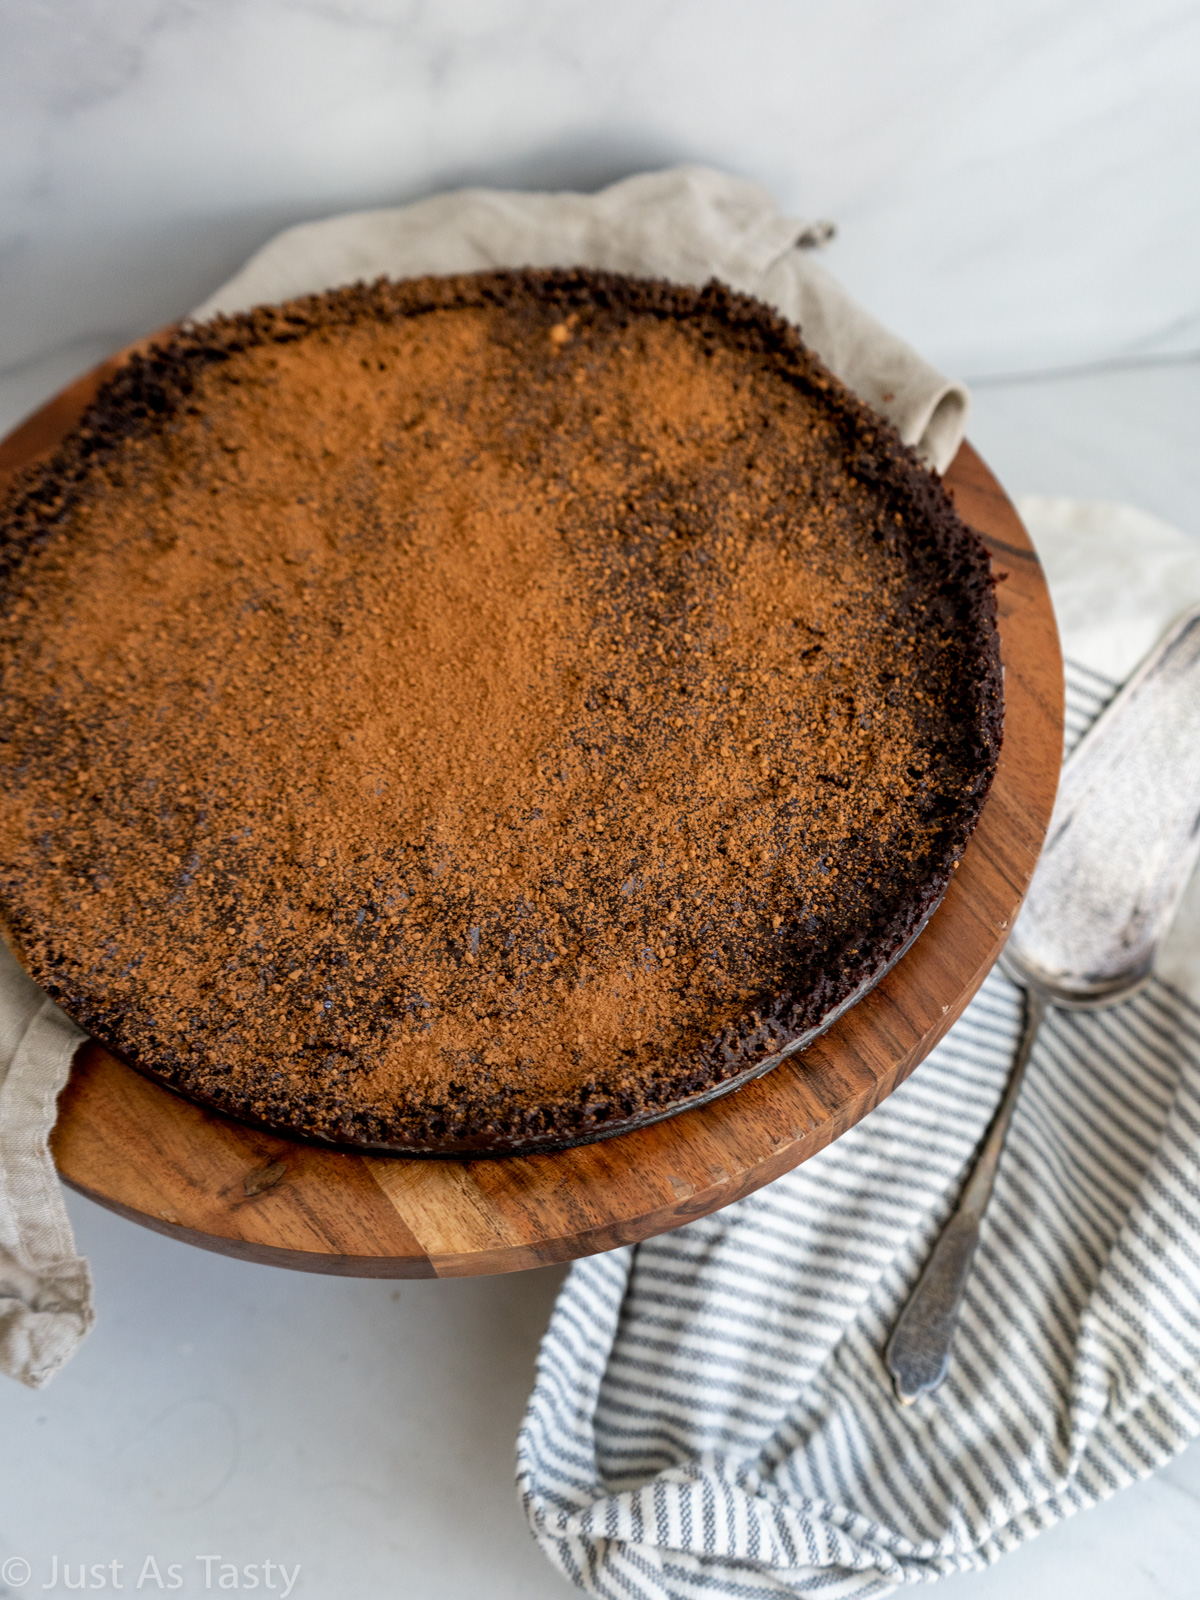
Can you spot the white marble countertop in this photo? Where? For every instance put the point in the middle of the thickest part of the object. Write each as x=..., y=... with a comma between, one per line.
x=365, y=1430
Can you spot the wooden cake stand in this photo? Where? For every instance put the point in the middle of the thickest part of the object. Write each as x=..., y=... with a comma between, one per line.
x=151, y=1156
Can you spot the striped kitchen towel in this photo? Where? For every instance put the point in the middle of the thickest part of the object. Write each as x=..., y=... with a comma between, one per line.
x=712, y=1415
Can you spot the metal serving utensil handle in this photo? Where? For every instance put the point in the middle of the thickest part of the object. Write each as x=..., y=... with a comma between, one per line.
x=918, y=1352
x=1124, y=837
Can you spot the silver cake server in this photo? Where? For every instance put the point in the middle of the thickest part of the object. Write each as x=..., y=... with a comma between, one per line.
x=1122, y=844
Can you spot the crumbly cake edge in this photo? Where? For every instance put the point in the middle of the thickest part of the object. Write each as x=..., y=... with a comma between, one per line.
x=156, y=383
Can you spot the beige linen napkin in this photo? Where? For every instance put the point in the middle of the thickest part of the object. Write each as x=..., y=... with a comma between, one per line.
x=45, y=1288
x=688, y=224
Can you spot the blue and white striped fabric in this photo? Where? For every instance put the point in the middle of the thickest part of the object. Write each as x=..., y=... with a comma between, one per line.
x=712, y=1415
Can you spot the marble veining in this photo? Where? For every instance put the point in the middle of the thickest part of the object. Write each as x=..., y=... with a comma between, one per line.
x=1014, y=185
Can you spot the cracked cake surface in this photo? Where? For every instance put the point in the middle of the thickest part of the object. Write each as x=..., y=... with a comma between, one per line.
x=481, y=713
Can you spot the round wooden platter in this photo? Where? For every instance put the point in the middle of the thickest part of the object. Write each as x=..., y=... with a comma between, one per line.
x=156, y=1158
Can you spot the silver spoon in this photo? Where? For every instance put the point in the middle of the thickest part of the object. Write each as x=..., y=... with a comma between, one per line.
x=1122, y=844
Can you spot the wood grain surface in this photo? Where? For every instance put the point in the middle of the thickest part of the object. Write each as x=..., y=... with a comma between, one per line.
x=151, y=1156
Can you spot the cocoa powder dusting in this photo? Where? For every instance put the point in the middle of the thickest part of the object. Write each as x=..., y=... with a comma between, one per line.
x=480, y=712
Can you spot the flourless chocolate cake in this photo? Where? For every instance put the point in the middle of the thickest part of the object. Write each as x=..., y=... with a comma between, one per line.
x=481, y=713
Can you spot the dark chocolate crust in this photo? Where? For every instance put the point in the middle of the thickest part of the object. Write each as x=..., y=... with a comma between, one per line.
x=809, y=971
